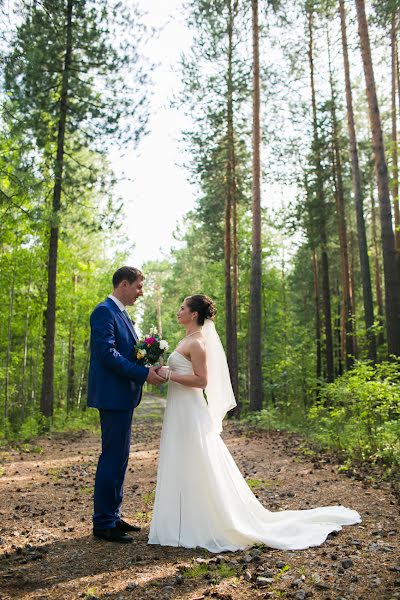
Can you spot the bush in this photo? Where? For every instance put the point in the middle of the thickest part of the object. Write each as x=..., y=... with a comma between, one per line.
x=269, y=418
x=359, y=413
x=34, y=426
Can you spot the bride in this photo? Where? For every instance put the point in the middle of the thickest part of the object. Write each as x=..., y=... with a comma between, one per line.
x=201, y=497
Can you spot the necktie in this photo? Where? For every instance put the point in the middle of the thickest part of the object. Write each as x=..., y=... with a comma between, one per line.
x=128, y=317
x=125, y=312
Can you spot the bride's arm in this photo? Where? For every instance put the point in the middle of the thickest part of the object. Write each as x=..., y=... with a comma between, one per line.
x=199, y=364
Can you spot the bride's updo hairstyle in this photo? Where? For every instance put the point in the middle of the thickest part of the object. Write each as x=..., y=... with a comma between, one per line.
x=203, y=305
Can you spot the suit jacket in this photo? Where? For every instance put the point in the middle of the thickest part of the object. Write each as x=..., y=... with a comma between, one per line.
x=115, y=378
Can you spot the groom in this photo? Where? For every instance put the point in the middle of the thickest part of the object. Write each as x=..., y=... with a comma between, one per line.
x=115, y=389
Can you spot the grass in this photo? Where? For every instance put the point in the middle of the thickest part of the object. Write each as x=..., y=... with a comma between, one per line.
x=151, y=416
x=224, y=571
x=257, y=484
x=281, y=572
x=2, y=471
x=201, y=570
x=55, y=473
x=149, y=498
x=19, y=434
x=90, y=593
x=29, y=448
x=196, y=571
x=143, y=516
x=87, y=490
x=306, y=451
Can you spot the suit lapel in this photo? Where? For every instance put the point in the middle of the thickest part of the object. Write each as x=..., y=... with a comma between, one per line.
x=127, y=321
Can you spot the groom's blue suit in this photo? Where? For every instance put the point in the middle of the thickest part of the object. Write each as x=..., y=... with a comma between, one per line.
x=115, y=388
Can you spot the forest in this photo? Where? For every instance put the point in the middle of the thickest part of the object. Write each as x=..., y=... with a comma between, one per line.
x=293, y=153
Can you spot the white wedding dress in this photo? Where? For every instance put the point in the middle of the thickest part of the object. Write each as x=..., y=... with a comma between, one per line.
x=203, y=500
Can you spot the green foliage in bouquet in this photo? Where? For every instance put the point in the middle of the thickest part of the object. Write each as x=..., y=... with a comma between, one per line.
x=151, y=348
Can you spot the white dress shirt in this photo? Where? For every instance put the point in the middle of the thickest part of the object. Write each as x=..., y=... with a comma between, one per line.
x=117, y=302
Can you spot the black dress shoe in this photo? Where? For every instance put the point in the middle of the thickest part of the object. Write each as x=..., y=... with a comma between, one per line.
x=124, y=526
x=112, y=535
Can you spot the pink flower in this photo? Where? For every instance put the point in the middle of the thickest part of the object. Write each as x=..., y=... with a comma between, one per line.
x=150, y=340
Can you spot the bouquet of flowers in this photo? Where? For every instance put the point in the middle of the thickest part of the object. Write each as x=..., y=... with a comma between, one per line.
x=149, y=351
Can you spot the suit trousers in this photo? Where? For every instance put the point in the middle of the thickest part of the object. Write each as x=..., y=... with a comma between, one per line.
x=109, y=482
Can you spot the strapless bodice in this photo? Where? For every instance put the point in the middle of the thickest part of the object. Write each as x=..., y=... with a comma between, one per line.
x=179, y=363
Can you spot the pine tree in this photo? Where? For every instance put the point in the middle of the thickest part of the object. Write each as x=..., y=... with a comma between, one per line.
x=65, y=79
x=256, y=385
x=358, y=194
x=392, y=286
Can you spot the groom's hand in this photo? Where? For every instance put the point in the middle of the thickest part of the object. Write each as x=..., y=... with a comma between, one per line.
x=153, y=377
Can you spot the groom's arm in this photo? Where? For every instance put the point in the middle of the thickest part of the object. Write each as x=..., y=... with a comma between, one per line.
x=103, y=345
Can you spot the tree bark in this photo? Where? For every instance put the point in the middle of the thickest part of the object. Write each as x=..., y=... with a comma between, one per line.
x=256, y=384
x=47, y=395
x=358, y=196
x=321, y=214
x=26, y=335
x=347, y=321
x=9, y=332
x=377, y=266
x=83, y=378
x=397, y=72
x=391, y=277
x=235, y=293
x=317, y=303
x=340, y=330
x=395, y=167
x=353, y=286
x=231, y=226
x=71, y=350
x=158, y=306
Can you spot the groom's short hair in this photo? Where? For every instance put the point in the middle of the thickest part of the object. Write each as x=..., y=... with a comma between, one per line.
x=130, y=274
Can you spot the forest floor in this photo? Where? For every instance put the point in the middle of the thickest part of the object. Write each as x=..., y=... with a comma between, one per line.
x=47, y=550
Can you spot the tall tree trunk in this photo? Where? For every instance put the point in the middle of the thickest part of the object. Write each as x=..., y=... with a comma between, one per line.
x=347, y=324
x=71, y=368
x=256, y=383
x=377, y=265
x=9, y=333
x=317, y=318
x=358, y=196
x=326, y=294
x=71, y=350
x=391, y=276
x=35, y=372
x=397, y=71
x=285, y=324
x=83, y=377
x=47, y=395
x=235, y=292
x=395, y=167
x=158, y=306
x=26, y=335
x=340, y=330
x=230, y=233
x=353, y=287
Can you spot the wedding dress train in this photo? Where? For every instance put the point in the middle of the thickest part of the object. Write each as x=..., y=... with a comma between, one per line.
x=203, y=500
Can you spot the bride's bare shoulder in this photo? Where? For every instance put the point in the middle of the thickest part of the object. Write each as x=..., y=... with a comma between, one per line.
x=197, y=345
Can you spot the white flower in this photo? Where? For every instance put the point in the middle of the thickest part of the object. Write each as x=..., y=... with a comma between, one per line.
x=143, y=352
x=153, y=331
x=163, y=345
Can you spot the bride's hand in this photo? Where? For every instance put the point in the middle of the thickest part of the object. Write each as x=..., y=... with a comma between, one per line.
x=163, y=372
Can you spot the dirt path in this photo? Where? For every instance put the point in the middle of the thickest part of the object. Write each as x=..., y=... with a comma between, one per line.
x=47, y=550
